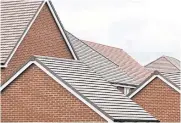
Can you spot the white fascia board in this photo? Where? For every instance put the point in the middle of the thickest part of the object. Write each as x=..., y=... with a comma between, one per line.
x=124, y=86
x=60, y=82
x=24, y=34
x=15, y=75
x=151, y=79
x=168, y=83
x=61, y=30
x=3, y=66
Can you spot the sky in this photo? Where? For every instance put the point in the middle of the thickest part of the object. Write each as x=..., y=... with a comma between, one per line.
x=145, y=29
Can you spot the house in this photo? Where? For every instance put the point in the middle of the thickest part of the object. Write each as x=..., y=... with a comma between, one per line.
x=159, y=94
x=49, y=75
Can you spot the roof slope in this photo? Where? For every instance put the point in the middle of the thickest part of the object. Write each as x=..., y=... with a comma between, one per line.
x=165, y=64
x=171, y=79
x=99, y=63
x=15, y=18
x=174, y=77
x=122, y=59
x=94, y=89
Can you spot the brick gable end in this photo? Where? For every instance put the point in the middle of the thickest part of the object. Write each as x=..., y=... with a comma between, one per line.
x=44, y=38
x=160, y=100
x=36, y=97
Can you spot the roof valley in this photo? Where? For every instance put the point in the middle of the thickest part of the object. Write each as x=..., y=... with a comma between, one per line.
x=94, y=62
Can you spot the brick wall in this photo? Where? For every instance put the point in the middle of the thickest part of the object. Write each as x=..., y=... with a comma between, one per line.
x=36, y=97
x=160, y=100
x=43, y=38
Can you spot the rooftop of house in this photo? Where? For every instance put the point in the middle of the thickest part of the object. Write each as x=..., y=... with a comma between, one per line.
x=164, y=64
x=122, y=59
x=114, y=64
x=172, y=79
x=16, y=16
x=97, y=68
x=90, y=86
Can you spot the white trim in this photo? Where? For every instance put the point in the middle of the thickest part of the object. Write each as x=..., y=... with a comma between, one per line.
x=16, y=75
x=126, y=90
x=24, y=34
x=128, y=86
x=3, y=66
x=62, y=31
x=60, y=82
x=29, y=26
x=148, y=81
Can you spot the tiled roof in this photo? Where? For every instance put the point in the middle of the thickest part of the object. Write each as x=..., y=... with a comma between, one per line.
x=99, y=63
x=15, y=18
x=174, y=77
x=165, y=64
x=171, y=79
x=95, y=89
x=123, y=60
x=169, y=67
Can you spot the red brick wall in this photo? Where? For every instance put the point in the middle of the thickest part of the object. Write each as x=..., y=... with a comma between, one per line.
x=43, y=38
x=36, y=97
x=160, y=100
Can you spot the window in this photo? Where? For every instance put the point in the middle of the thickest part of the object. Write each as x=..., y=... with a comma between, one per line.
x=126, y=90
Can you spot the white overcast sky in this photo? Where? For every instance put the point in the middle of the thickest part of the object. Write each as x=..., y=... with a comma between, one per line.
x=145, y=29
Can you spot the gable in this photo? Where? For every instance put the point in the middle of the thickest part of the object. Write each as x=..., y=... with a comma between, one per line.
x=15, y=18
x=43, y=38
x=24, y=13
x=35, y=97
x=151, y=79
x=160, y=100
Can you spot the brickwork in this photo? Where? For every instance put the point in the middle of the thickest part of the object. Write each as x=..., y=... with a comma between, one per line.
x=43, y=38
x=36, y=97
x=160, y=100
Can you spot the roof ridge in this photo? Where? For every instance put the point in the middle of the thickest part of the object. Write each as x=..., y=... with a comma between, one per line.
x=57, y=58
x=155, y=73
x=171, y=61
x=153, y=61
x=102, y=44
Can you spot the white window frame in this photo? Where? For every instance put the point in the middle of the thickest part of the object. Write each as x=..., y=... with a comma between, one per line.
x=126, y=90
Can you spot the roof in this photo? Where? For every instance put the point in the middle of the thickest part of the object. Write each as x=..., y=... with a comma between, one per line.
x=17, y=16
x=165, y=64
x=91, y=87
x=100, y=64
x=171, y=79
x=174, y=77
x=123, y=60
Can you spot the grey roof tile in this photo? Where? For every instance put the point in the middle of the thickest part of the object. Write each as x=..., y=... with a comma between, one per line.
x=15, y=18
x=95, y=89
x=174, y=77
x=99, y=63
